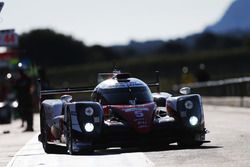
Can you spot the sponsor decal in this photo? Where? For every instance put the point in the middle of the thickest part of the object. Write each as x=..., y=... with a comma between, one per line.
x=141, y=122
x=135, y=109
x=124, y=85
x=8, y=38
x=140, y=117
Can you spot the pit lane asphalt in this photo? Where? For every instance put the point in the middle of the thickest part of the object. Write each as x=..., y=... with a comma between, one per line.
x=12, y=139
x=230, y=146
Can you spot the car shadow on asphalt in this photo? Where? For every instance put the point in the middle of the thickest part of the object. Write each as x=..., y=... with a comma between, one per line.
x=112, y=151
x=117, y=150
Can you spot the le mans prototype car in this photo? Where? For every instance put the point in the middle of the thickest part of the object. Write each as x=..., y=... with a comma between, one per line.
x=122, y=113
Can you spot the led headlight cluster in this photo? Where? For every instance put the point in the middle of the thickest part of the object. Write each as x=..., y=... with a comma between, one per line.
x=9, y=76
x=189, y=104
x=14, y=104
x=193, y=120
x=89, y=127
x=2, y=104
x=89, y=111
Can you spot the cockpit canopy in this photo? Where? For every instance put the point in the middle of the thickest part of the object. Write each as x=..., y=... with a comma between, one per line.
x=129, y=91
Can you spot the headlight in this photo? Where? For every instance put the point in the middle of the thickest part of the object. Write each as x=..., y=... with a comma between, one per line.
x=193, y=120
x=9, y=76
x=89, y=127
x=14, y=104
x=2, y=104
x=89, y=111
x=189, y=105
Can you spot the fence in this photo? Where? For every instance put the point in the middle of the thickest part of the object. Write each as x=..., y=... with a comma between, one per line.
x=229, y=87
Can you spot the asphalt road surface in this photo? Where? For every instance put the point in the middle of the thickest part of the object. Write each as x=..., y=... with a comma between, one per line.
x=230, y=146
x=13, y=139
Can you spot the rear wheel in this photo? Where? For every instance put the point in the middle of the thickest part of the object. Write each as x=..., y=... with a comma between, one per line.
x=48, y=148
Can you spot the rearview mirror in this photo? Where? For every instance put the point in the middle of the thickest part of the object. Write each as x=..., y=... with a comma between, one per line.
x=66, y=98
x=185, y=90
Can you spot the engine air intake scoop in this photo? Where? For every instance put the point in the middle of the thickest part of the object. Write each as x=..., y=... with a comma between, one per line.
x=122, y=76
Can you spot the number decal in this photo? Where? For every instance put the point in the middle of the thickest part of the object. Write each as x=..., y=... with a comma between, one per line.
x=139, y=114
x=9, y=38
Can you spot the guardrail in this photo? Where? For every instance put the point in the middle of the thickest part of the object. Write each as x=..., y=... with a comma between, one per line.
x=229, y=87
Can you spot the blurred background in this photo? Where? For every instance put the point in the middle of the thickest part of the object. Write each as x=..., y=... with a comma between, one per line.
x=67, y=43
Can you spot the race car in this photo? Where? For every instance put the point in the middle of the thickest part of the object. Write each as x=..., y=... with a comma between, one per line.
x=8, y=101
x=123, y=112
x=8, y=107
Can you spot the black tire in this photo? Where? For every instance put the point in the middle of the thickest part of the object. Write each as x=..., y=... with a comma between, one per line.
x=69, y=135
x=48, y=148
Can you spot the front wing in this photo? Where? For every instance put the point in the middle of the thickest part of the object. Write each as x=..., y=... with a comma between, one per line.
x=117, y=134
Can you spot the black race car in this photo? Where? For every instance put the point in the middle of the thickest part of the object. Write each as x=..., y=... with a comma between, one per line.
x=123, y=112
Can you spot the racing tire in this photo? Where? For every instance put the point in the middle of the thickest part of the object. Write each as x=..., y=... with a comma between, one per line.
x=48, y=148
x=69, y=135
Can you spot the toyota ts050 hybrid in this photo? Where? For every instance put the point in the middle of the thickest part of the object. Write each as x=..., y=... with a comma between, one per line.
x=122, y=112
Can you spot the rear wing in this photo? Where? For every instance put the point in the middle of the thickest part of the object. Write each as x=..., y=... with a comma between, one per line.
x=73, y=90
x=157, y=82
x=88, y=89
x=103, y=76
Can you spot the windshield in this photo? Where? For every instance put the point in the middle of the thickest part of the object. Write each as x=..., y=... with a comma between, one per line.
x=126, y=96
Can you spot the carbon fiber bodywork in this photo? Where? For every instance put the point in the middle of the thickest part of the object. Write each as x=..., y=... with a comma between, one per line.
x=165, y=130
x=123, y=113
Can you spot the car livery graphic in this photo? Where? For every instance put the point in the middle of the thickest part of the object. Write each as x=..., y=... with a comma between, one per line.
x=122, y=113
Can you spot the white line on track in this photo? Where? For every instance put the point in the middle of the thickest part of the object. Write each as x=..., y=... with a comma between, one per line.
x=32, y=155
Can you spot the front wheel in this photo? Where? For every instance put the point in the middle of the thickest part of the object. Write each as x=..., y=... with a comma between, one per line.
x=48, y=148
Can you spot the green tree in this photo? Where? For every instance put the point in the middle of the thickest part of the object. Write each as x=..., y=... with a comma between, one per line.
x=48, y=48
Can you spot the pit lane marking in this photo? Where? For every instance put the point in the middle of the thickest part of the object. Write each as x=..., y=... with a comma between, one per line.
x=32, y=155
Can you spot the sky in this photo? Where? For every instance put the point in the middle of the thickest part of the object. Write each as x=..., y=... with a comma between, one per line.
x=113, y=22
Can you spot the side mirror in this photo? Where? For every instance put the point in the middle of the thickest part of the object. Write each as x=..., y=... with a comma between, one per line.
x=185, y=90
x=66, y=98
